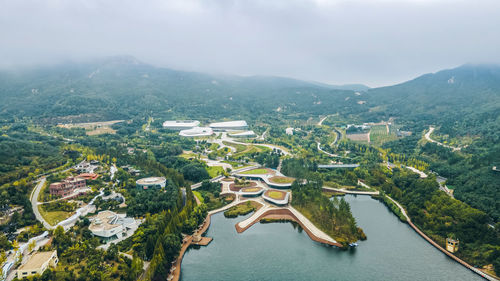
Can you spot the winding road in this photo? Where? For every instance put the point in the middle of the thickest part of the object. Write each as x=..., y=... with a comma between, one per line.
x=428, y=137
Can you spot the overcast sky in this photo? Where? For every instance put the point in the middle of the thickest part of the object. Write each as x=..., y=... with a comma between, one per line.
x=375, y=42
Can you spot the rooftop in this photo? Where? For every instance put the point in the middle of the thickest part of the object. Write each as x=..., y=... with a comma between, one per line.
x=230, y=124
x=151, y=180
x=37, y=260
x=196, y=132
x=181, y=123
x=244, y=133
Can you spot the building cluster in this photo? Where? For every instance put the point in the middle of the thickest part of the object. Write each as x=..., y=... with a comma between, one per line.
x=192, y=128
x=67, y=187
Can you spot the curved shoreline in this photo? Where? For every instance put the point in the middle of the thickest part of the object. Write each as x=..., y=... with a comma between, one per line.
x=284, y=213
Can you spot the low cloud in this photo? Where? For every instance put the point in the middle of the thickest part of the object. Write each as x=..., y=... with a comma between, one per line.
x=373, y=42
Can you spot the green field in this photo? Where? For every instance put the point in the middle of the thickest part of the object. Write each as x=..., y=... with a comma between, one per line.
x=54, y=217
x=198, y=195
x=215, y=171
x=281, y=179
x=256, y=172
x=379, y=135
x=278, y=195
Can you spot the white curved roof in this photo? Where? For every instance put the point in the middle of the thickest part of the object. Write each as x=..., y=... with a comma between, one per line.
x=230, y=124
x=243, y=134
x=181, y=123
x=196, y=132
x=151, y=181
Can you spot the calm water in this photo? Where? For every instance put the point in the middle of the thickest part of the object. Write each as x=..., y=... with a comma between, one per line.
x=277, y=251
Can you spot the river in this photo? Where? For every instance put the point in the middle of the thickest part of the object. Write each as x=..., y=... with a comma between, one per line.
x=279, y=251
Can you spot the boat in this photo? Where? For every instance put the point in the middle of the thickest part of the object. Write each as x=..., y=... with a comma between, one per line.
x=353, y=244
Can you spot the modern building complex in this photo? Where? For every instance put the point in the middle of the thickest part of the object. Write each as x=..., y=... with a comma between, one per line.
x=244, y=134
x=229, y=126
x=109, y=226
x=270, y=177
x=67, y=186
x=37, y=264
x=152, y=182
x=180, y=124
x=197, y=132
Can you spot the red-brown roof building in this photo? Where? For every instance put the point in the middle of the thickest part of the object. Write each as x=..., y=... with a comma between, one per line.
x=67, y=186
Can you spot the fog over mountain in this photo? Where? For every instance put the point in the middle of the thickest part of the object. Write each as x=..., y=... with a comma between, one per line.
x=337, y=42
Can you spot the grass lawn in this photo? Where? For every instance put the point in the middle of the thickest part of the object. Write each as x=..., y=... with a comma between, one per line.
x=251, y=189
x=261, y=171
x=279, y=179
x=54, y=217
x=278, y=195
x=242, y=209
x=198, y=195
x=214, y=171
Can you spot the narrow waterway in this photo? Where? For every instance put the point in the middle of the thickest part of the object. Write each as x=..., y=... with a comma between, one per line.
x=279, y=251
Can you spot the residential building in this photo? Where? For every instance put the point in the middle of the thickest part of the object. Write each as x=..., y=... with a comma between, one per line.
x=67, y=186
x=37, y=264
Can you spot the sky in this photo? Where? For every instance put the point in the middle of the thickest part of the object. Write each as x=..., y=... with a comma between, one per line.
x=373, y=42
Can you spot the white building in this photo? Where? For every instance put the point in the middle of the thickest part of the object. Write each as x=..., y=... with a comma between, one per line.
x=230, y=125
x=197, y=132
x=289, y=131
x=151, y=182
x=110, y=226
x=180, y=124
x=37, y=264
x=244, y=134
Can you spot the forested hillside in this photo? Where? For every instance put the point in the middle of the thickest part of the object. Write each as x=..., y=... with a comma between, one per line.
x=463, y=103
x=120, y=88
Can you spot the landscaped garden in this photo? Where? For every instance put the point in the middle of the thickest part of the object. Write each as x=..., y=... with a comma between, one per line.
x=258, y=171
x=242, y=209
x=251, y=189
x=281, y=180
x=276, y=194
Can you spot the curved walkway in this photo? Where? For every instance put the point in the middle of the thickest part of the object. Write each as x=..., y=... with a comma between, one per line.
x=358, y=192
x=327, y=153
x=437, y=246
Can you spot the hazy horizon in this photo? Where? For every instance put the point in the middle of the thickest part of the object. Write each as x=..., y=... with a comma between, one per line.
x=375, y=43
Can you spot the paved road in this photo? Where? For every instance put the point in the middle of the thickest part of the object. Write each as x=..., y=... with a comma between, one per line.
x=34, y=203
x=321, y=121
x=327, y=153
x=428, y=137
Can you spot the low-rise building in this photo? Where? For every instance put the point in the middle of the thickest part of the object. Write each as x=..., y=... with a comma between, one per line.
x=197, y=132
x=151, y=182
x=229, y=126
x=37, y=264
x=452, y=245
x=89, y=176
x=67, y=186
x=110, y=226
x=289, y=131
x=244, y=134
